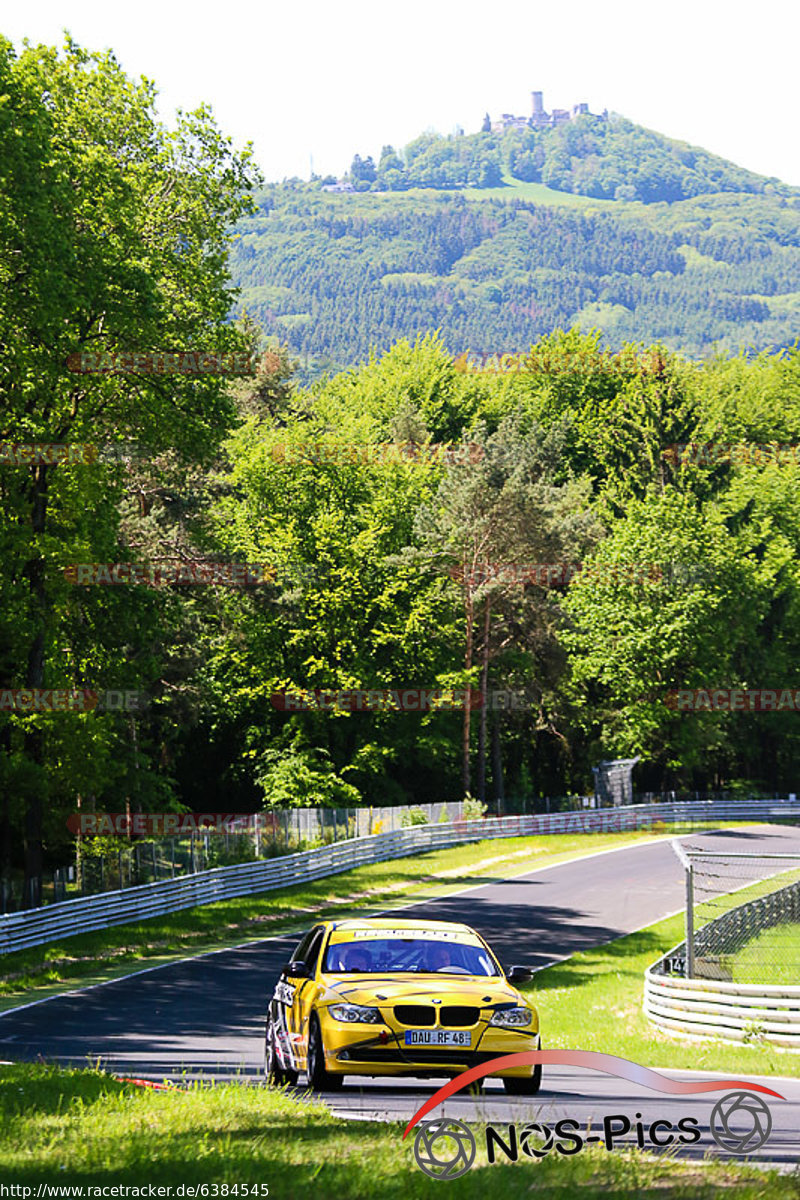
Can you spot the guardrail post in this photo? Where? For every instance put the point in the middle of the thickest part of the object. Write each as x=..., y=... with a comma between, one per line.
x=690, y=921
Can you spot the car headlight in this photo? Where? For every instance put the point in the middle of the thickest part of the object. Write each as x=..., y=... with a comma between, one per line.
x=355, y=1012
x=512, y=1018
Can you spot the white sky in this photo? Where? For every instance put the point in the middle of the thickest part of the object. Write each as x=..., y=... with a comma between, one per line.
x=311, y=77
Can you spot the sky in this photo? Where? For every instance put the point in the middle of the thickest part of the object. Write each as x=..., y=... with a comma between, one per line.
x=315, y=83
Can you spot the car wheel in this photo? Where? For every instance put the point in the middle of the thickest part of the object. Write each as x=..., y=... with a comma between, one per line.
x=525, y=1087
x=319, y=1079
x=275, y=1073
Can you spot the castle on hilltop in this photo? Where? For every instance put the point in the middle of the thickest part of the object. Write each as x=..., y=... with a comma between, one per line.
x=539, y=119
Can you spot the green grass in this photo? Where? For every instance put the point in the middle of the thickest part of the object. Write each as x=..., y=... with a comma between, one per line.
x=694, y=259
x=601, y=315
x=510, y=189
x=93, y=957
x=69, y=1127
x=773, y=957
x=715, y=906
x=407, y=279
x=782, y=304
x=539, y=193
x=593, y=1001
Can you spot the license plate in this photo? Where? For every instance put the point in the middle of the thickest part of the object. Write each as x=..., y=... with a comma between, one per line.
x=438, y=1037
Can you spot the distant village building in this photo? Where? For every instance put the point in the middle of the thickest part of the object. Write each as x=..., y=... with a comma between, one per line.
x=539, y=118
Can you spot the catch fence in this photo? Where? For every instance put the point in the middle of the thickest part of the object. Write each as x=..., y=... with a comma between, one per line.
x=55, y=921
x=736, y=975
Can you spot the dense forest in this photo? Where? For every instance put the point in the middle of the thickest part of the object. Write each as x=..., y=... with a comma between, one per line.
x=376, y=570
x=382, y=574
x=338, y=276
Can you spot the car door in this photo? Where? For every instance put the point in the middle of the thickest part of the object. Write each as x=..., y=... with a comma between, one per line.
x=282, y=1007
x=305, y=991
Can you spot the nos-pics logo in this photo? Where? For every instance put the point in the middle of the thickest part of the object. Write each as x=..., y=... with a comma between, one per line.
x=445, y=1148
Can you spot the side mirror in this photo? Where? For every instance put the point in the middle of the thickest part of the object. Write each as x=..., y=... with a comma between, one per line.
x=297, y=969
x=520, y=974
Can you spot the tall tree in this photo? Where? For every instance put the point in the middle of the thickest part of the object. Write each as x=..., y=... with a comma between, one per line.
x=490, y=520
x=113, y=238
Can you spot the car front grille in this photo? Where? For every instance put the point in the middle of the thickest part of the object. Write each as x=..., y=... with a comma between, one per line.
x=458, y=1015
x=451, y=1016
x=415, y=1014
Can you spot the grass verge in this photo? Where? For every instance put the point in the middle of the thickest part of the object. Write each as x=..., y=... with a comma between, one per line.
x=772, y=957
x=105, y=954
x=86, y=1128
x=593, y=1001
x=720, y=903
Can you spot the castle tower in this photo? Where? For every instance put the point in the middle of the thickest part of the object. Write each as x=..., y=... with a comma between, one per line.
x=538, y=104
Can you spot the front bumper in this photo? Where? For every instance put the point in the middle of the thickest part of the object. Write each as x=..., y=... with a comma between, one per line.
x=380, y=1050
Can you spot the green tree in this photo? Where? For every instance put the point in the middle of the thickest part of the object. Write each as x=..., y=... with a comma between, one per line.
x=113, y=234
x=488, y=521
x=363, y=170
x=665, y=602
x=390, y=160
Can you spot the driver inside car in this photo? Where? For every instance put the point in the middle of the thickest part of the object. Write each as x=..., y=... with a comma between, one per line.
x=355, y=958
x=437, y=958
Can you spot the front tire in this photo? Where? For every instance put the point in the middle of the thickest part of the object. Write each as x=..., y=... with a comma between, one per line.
x=319, y=1078
x=276, y=1075
x=525, y=1087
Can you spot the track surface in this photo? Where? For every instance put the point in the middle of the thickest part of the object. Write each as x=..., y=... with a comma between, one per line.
x=206, y=1015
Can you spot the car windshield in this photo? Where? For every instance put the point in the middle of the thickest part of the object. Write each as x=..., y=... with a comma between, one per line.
x=379, y=956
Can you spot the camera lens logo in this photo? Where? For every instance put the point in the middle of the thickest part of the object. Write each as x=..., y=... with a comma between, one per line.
x=536, y=1140
x=444, y=1149
x=740, y=1122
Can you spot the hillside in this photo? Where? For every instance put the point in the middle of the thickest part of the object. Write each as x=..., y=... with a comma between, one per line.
x=608, y=158
x=496, y=266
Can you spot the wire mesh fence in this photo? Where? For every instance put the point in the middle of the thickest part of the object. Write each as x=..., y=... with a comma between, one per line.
x=104, y=864
x=113, y=863
x=742, y=917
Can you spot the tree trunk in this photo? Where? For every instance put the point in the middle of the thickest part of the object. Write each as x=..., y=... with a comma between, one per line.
x=32, y=827
x=487, y=611
x=497, y=766
x=79, y=850
x=5, y=819
x=34, y=678
x=465, y=771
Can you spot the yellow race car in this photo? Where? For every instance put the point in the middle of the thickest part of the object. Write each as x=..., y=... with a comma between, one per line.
x=386, y=996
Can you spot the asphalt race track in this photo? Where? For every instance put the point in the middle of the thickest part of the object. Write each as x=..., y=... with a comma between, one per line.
x=205, y=1016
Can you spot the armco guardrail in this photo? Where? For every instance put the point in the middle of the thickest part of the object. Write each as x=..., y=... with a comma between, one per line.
x=56, y=921
x=719, y=1008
